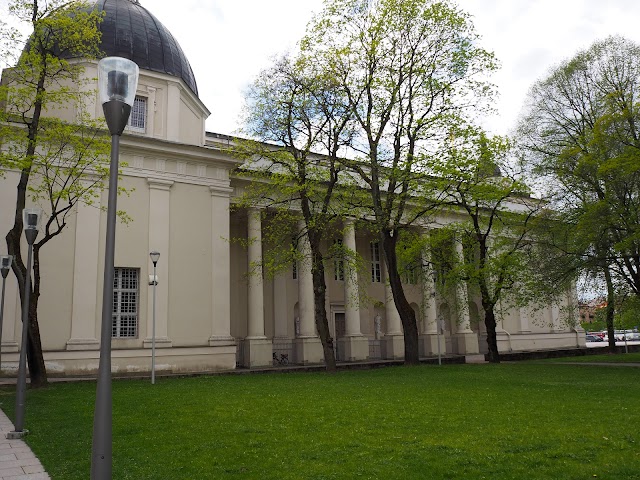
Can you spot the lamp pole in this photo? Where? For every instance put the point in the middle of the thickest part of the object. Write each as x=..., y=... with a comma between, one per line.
x=31, y=221
x=154, y=258
x=117, y=83
x=5, y=264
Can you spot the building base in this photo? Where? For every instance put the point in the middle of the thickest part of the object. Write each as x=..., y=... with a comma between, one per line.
x=257, y=352
x=352, y=349
x=467, y=343
x=308, y=350
x=392, y=347
x=428, y=345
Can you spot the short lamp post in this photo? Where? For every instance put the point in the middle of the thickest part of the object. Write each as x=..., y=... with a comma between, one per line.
x=155, y=256
x=117, y=83
x=5, y=265
x=31, y=218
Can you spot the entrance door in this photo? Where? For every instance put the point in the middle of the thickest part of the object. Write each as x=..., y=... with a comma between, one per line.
x=339, y=329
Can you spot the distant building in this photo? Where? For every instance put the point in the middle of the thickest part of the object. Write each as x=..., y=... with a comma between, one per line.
x=587, y=310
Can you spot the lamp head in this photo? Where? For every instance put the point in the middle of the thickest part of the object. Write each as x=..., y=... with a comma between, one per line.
x=117, y=80
x=117, y=83
x=5, y=264
x=154, y=256
x=31, y=218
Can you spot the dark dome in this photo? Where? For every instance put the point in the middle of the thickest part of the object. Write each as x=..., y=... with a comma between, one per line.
x=129, y=30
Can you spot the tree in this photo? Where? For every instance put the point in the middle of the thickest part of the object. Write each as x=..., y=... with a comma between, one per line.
x=298, y=112
x=60, y=163
x=489, y=212
x=580, y=133
x=408, y=70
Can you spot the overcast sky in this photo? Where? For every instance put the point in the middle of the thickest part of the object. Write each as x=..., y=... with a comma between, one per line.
x=229, y=41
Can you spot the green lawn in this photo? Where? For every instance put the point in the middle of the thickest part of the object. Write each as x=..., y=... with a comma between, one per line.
x=510, y=421
x=604, y=358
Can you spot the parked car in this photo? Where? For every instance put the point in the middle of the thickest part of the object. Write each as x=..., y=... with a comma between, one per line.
x=594, y=338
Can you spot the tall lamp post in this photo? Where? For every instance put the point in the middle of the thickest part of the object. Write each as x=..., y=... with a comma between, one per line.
x=117, y=83
x=155, y=256
x=5, y=265
x=31, y=220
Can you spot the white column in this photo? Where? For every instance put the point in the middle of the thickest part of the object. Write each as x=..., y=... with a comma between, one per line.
x=308, y=348
x=351, y=291
x=220, y=268
x=159, y=228
x=429, y=309
x=84, y=314
x=393, y=341
x=462, y=294
x=255, y=287
x=353, y=346
x=394, y=324
x=305, y=288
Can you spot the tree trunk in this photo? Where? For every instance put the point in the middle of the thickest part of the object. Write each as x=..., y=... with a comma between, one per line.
x=492, y=341
x=407, y=315
x=320, y=310
x=610, y=310
x=37, y=369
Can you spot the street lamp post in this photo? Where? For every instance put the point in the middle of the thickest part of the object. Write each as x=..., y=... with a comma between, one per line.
x=154, y=258
x=31, y=220
x=117, y=83
x=5, y=265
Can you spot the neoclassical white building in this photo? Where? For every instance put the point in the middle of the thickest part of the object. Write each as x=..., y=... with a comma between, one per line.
x=210, y=314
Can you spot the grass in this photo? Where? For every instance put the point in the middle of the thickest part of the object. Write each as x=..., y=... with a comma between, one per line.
x=604, y=358
x=452, y=422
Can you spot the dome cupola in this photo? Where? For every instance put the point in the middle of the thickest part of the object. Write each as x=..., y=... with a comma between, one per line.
x=129, y=30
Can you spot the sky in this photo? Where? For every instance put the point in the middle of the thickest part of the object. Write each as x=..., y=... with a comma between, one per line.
x=228, y=42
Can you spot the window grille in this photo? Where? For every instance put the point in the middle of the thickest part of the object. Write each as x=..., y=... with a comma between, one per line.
x=125, y=303
x=376, y=272
x=138, y=117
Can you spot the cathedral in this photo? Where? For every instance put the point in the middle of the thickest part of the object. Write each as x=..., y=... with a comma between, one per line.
x=210, y=314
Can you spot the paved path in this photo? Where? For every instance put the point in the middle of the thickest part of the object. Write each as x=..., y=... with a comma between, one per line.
x=17, y=461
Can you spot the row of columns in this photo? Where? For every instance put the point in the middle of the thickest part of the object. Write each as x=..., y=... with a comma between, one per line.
x=353, y=345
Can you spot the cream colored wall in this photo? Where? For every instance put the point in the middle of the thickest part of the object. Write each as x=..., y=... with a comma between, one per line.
x=55, y=306
x=191, y=124
x=190, y=265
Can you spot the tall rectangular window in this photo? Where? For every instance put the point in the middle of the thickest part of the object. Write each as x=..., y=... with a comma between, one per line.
x=376, y=272
x=338, y=263
x=125, y=303
x=138, y=117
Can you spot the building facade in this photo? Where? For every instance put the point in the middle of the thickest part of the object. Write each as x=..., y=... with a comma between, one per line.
x=211, y=314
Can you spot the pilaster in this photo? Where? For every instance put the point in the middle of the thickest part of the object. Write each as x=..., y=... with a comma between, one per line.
x=159, y=228
x=220, y=268
x=84, y=315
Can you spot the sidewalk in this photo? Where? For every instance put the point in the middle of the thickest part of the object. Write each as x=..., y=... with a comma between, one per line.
x=17, y=461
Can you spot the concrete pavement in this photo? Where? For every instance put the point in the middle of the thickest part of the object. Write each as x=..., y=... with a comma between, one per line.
x=17, y=461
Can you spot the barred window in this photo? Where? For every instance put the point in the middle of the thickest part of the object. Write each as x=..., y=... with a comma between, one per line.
x=138, y=117
x=376, y=272
x=125, y=303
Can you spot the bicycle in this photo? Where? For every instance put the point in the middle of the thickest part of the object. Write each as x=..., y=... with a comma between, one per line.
x=282, y=360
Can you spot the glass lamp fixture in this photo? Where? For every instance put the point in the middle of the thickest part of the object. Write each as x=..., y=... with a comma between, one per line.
x=31, y=218
x=117, y=83
x=5, y=264
x=155, y=256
